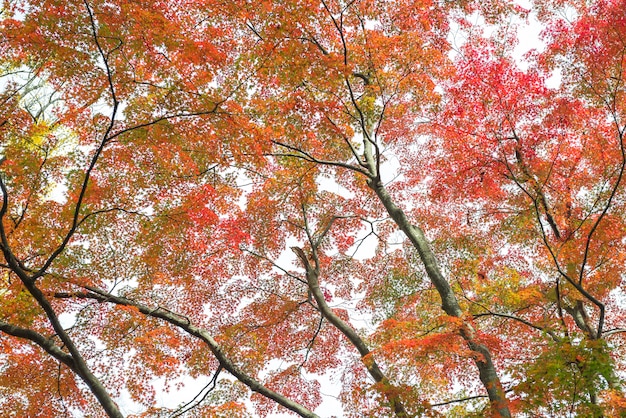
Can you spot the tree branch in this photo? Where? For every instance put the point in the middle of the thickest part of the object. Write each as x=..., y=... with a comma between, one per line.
x=312, y=275
x=186, y=325
x=46, y=343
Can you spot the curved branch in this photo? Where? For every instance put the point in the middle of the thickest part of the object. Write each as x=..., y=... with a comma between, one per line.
x=614, y=332
x=309, y=346
x=80, y=366
x=345, y=139
x=606, y=208
x=303, y=155
x=186, y=325
x=521, y=320
x=43, y=342
x=4, y=241
x=261, y=256
x=312, y=276
x=74, y=360
x=195, y=401
x=372, y=161
x=339, y=27
x=164, y=118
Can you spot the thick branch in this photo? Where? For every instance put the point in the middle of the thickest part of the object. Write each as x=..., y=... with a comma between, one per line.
x=43, y=342
x=312, y=275
x=80, y=366
x=216, y=349
x=449, y=302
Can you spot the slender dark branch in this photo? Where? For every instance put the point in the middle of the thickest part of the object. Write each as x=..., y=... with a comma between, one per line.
x=361, y=240
x=103, y=55
x=61, y=399
x=96, y=156
x=538, y=217
x=468, y=398
x=261, y=256
x=165, y=118
x=339, y=27
x=573, y=282
x=353, y=150
x=521, y=320
x=12, y=262
x=540, y=195
x=309, y=236
x=368, y=141
x=76, y=216
x=362, y=119
x=606, y=208
x=303, y=155
x=590, y=212
x=253, y=29
x=3, y=212
x=310, y=344
x=103, y=211
x=208, y=388
x=381, y=117
x=347, y=6
x=315, y=42
x=566, y=276
x=326, y=229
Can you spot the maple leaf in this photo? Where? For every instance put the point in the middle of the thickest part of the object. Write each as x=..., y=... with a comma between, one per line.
x=455, y=218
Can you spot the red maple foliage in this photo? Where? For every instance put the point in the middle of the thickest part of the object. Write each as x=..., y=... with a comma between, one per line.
x=268, y=195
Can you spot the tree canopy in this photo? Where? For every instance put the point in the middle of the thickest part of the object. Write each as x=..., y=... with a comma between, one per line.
x=268, y=195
